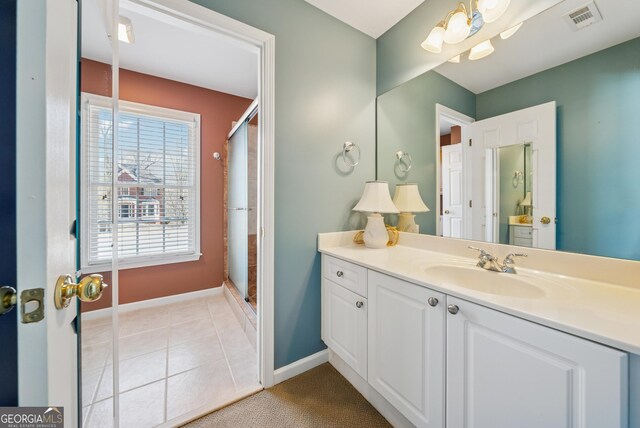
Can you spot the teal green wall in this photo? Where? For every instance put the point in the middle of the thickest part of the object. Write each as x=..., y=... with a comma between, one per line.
x=406, y=121
x=598, y=146
x=325, y=95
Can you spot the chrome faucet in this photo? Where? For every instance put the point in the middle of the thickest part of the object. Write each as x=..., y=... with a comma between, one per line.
x=508, y=263
x=487, y=261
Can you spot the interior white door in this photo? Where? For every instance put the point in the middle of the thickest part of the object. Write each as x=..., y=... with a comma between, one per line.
x=537, y=126
x=452, y=191
x=46, y=111
x=505, y=372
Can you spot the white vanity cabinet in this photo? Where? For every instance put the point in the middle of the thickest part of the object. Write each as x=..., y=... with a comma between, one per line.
x=407, y=348
x=502, y=369
x=441, y=361
x=344, y=312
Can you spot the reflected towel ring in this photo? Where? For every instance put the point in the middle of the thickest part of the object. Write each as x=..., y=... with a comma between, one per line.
x=347, y=148
x=406, y=165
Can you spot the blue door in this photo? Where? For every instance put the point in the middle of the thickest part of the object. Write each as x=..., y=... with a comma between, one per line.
x=9, y=321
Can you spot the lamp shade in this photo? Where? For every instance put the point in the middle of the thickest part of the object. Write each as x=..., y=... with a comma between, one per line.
x=376, y=198
x=433, y=42
x=510, y=32
x=407, y=199
x=458, y=27
x=481, y=50
x=492, y=10
x=526, y=202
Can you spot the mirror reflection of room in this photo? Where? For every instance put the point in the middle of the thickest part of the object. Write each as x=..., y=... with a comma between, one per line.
x=582, y=79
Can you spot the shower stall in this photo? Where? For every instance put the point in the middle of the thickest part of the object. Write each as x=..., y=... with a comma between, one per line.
x=242, y=192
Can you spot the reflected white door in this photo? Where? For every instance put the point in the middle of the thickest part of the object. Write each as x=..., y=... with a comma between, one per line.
x=452, y=191
x=237, y=210
x=537, y=126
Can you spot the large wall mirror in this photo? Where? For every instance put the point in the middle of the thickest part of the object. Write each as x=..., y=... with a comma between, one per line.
x=535, y=144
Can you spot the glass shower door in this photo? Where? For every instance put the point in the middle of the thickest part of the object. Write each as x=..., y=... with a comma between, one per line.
x=237, y=210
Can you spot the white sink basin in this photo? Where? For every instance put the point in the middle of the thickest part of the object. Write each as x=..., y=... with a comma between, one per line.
x=484, y=281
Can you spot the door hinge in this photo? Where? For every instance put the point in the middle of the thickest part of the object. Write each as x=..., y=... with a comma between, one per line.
x=72, y=231
x=470, y=204
x=470, y=142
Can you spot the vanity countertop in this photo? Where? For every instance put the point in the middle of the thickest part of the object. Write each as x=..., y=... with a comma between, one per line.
x=599, y=311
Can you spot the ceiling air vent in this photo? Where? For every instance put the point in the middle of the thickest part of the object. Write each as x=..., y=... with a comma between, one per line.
x=583, y=16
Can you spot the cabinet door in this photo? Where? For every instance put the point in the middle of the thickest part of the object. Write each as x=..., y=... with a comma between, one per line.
x=505, y=372
x=344, y=325
x=406, y=348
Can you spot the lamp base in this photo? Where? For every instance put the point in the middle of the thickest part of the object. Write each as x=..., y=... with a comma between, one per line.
x=407, y=223
x=375, y=233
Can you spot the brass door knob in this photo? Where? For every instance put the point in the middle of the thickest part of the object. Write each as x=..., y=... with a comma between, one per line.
x=545, y=220
x=89, y=289
x=8, y=299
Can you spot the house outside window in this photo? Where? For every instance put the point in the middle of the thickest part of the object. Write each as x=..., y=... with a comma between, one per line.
x=157, y=181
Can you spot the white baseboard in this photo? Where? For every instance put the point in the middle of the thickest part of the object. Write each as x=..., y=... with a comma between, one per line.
x=151, y=303
x=380, y=403
x=300, y=366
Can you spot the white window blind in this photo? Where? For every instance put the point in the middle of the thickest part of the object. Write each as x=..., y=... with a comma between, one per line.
x=158, y=174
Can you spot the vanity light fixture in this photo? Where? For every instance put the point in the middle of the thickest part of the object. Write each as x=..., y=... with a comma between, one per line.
x=408, y=201
x=433, y=42
x=375, y=200
x=125, y=30
x=510, y=32
x=481, y=50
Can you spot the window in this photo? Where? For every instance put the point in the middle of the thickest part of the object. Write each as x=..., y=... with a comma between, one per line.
x=157, y=179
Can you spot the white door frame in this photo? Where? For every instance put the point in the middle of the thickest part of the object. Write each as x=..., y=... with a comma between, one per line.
x=264, y=42
x=463, y=121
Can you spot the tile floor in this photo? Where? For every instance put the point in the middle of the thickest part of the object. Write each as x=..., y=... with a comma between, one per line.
x=173, y=359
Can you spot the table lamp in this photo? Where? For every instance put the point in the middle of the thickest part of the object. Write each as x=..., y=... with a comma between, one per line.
x=408, y=201
x=375, y=200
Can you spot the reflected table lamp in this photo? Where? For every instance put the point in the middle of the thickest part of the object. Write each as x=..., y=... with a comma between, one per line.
x=526, y=203
x=408, y=201
x=375, y=200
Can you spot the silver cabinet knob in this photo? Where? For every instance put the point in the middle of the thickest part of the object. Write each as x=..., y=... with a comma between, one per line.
x=453, y=309
x=339, y=273
x=432, y=301
x=359, y=304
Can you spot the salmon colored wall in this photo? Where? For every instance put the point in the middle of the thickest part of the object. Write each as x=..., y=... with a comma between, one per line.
x=217, y=111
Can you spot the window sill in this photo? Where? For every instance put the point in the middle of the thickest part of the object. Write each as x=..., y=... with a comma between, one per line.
x=141, y=262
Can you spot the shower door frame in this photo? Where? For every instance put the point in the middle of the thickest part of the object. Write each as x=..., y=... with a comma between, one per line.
x=264, y=43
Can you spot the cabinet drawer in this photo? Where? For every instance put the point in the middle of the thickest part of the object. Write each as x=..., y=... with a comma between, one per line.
x=522, y=232
x=348, y=275
x=522, y=242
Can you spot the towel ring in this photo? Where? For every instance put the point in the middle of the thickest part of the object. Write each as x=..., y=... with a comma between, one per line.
x=347, y=148
x=406, y=165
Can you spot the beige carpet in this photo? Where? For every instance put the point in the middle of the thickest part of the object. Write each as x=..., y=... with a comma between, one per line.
x=320, y=397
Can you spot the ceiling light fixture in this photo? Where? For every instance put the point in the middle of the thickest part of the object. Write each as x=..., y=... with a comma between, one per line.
x=492, y=10
x=510, y=32
x=125, y=30
x=455, y=59
x=481, y=50
x=462, y=23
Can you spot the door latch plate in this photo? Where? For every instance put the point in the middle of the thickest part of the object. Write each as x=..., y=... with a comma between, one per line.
x=34, y=315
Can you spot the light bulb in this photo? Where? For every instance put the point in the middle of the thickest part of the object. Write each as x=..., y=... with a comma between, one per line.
x=458, y=28
x=481, y=50
x=433, y=42
x=492, y=10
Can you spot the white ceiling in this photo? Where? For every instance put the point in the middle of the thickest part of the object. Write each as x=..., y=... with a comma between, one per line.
x=372, y=17
x=546, y=41
x=172, y=49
